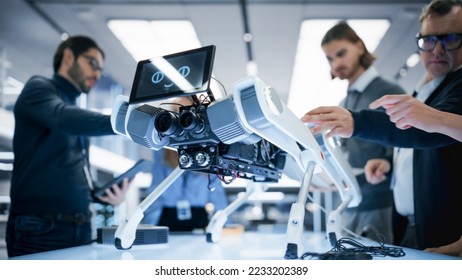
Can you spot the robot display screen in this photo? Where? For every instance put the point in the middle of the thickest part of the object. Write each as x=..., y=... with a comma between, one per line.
x=180, y=74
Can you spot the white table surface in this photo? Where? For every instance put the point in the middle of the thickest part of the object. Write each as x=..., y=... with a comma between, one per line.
x=246, y=246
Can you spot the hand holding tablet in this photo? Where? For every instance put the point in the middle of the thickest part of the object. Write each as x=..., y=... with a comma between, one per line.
x=139, y=166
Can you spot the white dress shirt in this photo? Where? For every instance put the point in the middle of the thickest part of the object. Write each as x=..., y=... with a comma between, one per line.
x=403, y=181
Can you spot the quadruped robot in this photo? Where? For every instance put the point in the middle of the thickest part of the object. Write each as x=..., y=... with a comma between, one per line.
x=250, y=134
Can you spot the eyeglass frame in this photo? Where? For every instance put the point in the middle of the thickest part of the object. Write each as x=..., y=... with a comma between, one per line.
x=93, y=62
x=439, y=38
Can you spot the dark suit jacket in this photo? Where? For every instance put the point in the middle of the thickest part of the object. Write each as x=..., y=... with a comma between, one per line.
x=360, y=151
x=436, y=164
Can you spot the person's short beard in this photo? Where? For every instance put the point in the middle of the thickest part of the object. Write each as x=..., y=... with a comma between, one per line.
x=76, y=74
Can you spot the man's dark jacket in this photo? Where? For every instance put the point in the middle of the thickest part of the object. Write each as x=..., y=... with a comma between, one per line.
x=436, y=164
x=50, y=135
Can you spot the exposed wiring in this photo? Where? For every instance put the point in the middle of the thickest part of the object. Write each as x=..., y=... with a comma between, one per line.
x=348, y=248
x=203, y=98
x=224, y=89
x=209, y=184
x=349, y=244
x=234, y=176
x=351, y=233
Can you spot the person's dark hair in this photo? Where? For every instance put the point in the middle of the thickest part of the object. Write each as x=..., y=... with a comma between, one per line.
x=342, y=31
x=78, y=45
x=439, y=8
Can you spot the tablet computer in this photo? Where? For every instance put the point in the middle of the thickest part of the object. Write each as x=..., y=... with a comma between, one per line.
x=139, y=166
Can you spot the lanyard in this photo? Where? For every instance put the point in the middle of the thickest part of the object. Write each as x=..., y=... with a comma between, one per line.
x=83, y=146
x=86, y=163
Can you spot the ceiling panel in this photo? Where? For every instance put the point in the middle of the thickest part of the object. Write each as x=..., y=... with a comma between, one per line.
x=30, y=33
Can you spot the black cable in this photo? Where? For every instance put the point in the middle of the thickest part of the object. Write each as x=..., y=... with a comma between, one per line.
x=209, y=184
x=348, y=248
x=350, y=245
x=223, y=86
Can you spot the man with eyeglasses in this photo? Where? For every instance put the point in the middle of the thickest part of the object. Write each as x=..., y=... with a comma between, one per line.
x=436, y=173
x=51, y=186
x=406, y=111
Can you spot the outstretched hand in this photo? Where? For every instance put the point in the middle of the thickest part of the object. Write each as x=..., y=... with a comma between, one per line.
x=336, y=120
x=406, y=111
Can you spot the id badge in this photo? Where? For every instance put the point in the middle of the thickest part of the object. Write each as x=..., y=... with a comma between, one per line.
x=183, y=210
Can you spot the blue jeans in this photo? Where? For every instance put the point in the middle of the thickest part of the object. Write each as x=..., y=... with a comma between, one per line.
x=29, y=234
